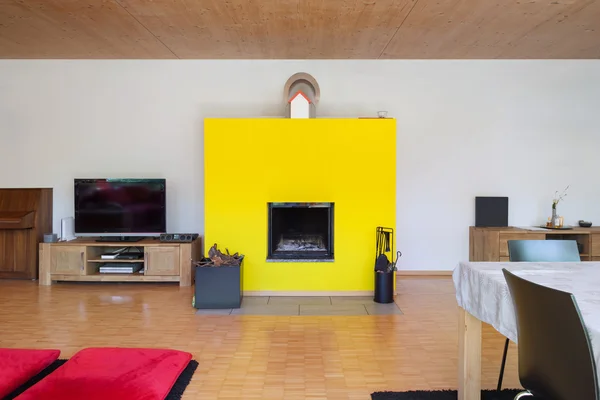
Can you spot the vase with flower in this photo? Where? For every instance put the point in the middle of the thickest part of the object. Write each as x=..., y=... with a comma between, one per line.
x=555, y=219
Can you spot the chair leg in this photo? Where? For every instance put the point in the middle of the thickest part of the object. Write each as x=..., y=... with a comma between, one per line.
x=523, y=394
x=503, y=365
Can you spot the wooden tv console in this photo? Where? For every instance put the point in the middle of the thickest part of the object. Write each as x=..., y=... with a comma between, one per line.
x=491, y=244
x=79, y=260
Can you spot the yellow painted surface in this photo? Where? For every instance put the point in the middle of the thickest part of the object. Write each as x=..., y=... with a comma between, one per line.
x=250, y=162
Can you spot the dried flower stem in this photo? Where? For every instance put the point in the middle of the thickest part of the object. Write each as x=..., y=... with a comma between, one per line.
x=558, y=197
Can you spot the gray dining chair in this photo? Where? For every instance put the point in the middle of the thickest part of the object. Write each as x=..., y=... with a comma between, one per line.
x=538, y=251
x=556, y=359
x=543, y=250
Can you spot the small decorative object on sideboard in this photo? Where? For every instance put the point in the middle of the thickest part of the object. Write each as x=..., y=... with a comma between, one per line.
x=555, y=219
x=584, y=224
x=557, y=198
x=559, y=225
x=50, y=237
x=218, y=280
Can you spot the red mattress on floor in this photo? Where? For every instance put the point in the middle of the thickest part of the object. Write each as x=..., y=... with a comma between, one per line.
x=17, y=366
x=112, y=373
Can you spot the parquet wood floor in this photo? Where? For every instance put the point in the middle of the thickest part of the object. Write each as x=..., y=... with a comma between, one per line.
x=252, y=357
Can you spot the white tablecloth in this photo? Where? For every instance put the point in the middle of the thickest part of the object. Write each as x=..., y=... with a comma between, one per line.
x=481, y=290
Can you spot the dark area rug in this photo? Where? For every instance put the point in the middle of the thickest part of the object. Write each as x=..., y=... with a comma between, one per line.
x=506, y=394
x=175, y=394
x=182, y=382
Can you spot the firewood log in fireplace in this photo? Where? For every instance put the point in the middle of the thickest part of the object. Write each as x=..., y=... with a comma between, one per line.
x=302, y=242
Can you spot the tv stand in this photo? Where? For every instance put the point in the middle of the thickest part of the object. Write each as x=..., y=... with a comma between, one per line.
x=80, y=260
x=120, y=239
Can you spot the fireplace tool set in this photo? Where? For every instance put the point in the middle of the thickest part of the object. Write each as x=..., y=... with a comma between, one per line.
x=385, y=244
x=384, y=266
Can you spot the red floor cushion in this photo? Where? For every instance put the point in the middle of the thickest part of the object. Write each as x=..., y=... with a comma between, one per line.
x=17, y=366
x=112, y=373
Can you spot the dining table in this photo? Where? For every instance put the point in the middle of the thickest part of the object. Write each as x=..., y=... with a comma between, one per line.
x=483, y=296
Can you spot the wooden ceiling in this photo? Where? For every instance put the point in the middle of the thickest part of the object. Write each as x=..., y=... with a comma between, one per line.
x=300, y=29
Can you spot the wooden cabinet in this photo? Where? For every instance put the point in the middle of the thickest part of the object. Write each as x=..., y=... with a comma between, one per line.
x=491, y=244
x=15, y=259
x=595, y=245
x=68, y=260
x=162, y=261
x=80, y=260
x=25, y=216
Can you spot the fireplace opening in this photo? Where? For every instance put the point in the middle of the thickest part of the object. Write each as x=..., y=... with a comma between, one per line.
x=300, y=231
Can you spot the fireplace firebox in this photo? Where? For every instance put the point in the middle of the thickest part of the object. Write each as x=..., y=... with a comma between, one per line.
x=300, y=231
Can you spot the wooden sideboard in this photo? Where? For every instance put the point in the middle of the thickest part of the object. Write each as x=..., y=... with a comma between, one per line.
x=491, y=244
x=79, y=260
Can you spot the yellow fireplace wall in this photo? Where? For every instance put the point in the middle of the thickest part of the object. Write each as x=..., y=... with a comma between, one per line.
x=350, y=162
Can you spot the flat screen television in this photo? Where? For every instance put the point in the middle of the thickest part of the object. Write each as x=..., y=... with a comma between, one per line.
x=120, y=209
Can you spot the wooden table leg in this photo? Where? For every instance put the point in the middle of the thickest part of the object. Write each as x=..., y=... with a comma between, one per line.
x=469, y=356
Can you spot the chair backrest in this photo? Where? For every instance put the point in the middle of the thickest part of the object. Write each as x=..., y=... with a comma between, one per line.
x=543, y=250
x=555, y=355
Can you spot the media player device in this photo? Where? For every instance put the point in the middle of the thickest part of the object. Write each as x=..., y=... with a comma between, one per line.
x=130, y=255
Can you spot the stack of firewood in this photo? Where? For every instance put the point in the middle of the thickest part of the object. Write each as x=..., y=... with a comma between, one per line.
x=216, y=258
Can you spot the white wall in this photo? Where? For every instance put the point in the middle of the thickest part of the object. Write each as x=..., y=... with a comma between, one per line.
x=521, y=129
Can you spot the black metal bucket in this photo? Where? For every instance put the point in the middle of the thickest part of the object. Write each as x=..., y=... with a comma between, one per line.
x=384, y=287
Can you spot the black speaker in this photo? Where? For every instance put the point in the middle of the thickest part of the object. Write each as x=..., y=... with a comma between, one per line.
x=178, y=237
x=491, y=211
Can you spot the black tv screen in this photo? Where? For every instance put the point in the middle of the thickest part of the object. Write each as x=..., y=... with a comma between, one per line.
x=107, y=207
